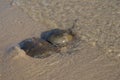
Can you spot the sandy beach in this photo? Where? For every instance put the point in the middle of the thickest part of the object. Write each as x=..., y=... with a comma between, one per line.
x=96, y=58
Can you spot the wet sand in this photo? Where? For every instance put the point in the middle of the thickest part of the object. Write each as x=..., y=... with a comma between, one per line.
x=98, y=26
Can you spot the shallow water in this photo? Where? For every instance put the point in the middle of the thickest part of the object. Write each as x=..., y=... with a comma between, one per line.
x=98, y=21
x=98, y=27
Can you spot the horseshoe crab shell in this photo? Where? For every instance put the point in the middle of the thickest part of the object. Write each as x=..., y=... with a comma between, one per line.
x=37, y=48
x=60, y=37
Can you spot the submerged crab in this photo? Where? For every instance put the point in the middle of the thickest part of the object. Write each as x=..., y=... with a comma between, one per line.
x=37, y=48
x=53, y=41
x=60, y=37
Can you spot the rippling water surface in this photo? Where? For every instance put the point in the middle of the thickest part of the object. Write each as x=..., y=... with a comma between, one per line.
x=98, y=28
x=98, y=22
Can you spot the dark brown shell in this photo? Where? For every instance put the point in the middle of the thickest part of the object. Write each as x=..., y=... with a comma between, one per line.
x=60, y=37
x=37, y=48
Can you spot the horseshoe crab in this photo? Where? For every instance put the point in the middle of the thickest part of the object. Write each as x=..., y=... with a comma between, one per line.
x=60, y=37
x=53, y=41
x=37, y=48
